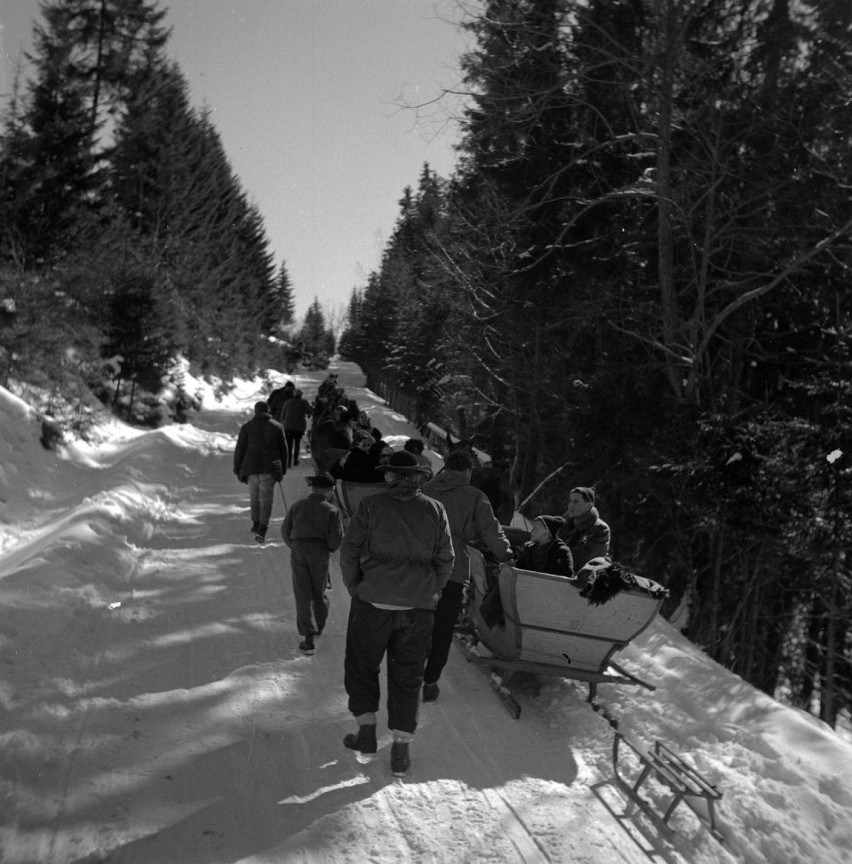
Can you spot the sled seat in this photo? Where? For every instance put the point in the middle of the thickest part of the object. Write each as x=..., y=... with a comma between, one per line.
x=349, y=495
x=680, y=780
x=548, y=627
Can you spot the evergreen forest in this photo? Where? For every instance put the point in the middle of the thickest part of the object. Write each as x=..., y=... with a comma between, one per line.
x=126, y=240
x=638, y=279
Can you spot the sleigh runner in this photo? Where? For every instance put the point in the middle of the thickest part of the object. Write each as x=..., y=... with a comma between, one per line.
x=540, y=623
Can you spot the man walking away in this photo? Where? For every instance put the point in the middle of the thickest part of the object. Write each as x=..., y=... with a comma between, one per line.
x=294, y=419
x=311, y=529
x=396, y=558
x=260, y=460
x=471, y=521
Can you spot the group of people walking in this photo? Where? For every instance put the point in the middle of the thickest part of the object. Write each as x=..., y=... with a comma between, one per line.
x=404, y=563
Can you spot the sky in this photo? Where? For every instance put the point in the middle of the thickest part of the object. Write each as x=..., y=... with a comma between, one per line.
x=154, y=705
x=309, y=97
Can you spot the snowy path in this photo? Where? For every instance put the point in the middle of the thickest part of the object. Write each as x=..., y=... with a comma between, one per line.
x=184, y=724
x=156, y=709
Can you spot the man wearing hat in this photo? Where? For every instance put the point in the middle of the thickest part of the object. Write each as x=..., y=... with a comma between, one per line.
x=586, y=534
x=260, y=459
x=396, y=557
x=311, y=529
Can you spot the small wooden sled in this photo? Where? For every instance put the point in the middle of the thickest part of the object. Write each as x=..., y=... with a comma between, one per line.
x=681, y=781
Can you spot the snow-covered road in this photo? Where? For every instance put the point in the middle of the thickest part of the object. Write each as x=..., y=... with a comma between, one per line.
x=156, y=709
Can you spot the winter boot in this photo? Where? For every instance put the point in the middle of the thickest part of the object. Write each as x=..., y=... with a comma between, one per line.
x=307, y=646
x=260, y=534
x=400, y=760
x=430, y=692
x=364, y=741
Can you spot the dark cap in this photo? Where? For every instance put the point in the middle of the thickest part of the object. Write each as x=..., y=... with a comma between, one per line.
x=458, y=461
x=261, y=408
x=587, y=492
x=553, y=524
x=321, y=481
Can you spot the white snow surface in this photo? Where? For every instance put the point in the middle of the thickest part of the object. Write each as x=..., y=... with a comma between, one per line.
x=156, y=709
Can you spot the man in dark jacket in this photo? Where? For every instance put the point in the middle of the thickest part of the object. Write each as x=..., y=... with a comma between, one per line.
x=396, y=558
x=294, y=419
x=260, y=460
x=356, y=465
x=545, y=552
x=471, y=520
x=278, y=397
x=586, y=534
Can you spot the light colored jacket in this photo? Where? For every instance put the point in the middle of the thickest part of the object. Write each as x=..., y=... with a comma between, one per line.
x=312, y=518
x=471, y=519
x=397, y=549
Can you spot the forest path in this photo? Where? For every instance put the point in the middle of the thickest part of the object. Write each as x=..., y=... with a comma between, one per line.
x=180, y=722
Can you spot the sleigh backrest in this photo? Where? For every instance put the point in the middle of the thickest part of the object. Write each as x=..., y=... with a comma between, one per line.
x=547, y=621
x=349, y=495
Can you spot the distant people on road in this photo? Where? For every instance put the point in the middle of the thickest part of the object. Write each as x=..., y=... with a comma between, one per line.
x=545, y=552
x=278, y=397
x=586, y=534
x=260, y=459
x=396, y=558
x=356, y=465
x=294, y=419
x=471, y=520
x=415, y=446
x=312, y=530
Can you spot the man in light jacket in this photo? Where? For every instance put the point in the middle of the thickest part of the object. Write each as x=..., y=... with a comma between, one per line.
x=471, y=520
x=396, y=558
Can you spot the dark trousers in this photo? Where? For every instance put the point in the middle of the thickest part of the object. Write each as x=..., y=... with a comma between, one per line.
x=405, y=635
x=446, y=616
x=309, y=563
x=293, y=437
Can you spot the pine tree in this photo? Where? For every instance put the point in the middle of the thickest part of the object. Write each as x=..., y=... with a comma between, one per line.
x=317, y=341
x=284, y=297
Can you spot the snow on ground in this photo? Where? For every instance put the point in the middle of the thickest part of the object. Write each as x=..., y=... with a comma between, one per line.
x=156, y=709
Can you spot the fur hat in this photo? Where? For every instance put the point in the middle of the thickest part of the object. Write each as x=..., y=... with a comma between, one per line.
x=261, y=408
x=321, y=481
x=553, y=524
x=587, y=492
x=403, y=462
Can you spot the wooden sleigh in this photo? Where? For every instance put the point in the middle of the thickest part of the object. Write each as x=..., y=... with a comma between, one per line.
x=548, y=628
x=349, y=495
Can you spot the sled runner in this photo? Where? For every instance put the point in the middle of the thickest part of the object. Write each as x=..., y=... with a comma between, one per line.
x=349, y=495
x=681, y=782
x=539, y=622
